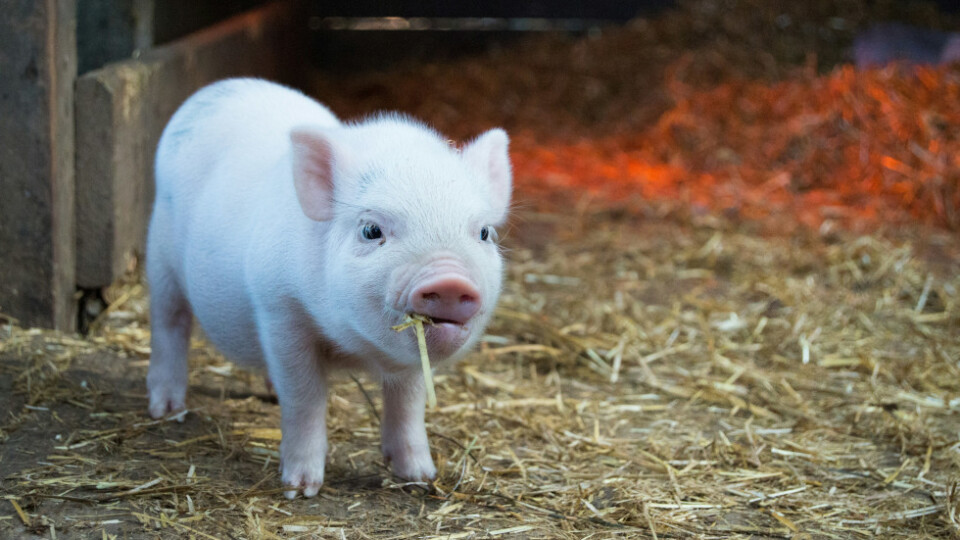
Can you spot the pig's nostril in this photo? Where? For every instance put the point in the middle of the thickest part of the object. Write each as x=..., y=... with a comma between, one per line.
x=431, y=297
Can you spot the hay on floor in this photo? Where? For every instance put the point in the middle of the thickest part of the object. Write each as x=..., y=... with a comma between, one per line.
x=641, y=380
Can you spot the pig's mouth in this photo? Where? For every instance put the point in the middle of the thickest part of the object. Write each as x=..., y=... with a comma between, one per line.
x=445, y=336
x=431, y=320
x=447, y=321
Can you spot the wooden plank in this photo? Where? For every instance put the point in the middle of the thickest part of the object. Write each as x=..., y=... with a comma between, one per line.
x=441, y=31
x=621, y=10
x=37, y=72
x=174, y=19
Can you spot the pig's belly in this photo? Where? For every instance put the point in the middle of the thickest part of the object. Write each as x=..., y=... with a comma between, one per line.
x=217, y=295
x=231, y=332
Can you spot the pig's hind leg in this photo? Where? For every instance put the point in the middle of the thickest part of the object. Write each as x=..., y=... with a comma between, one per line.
x=402, y=432
x=170, y=323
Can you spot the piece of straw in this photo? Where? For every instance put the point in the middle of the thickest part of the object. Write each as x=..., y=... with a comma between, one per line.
x=23, y=515
x=416, y=320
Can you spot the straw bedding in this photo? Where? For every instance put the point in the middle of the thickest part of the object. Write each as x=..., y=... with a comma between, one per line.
x=681, y=379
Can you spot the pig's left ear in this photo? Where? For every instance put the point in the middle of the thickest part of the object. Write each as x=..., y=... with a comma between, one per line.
x=488, y=154
x=316, y=160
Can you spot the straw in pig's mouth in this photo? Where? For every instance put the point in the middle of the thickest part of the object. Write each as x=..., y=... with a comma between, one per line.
x=410, y=319
x=426, y=320
x=417, y=321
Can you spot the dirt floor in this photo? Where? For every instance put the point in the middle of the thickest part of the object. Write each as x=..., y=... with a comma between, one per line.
x=703, y=340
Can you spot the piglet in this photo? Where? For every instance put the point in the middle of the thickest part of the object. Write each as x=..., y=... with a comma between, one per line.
x=297, y=241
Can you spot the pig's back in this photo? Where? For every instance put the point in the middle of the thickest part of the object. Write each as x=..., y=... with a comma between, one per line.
x=236, y=120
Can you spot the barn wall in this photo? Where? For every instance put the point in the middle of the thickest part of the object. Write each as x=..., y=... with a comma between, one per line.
x=37, y=70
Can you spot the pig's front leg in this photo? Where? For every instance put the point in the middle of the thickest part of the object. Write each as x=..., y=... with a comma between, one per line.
x=300, y=381
x=403, y=434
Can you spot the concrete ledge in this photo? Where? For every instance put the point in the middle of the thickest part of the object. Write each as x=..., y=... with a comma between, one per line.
x=121, y=111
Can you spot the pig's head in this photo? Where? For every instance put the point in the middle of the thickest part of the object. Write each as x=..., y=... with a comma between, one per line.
x=410, y=228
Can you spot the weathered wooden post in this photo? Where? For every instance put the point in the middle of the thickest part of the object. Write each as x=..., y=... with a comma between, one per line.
x=38, y=66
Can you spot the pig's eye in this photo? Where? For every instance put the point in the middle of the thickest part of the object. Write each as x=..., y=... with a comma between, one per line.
x=371, y=231
x=488, y=233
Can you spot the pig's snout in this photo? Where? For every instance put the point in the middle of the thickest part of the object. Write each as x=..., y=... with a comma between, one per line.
x=444, y=290
x=446, y=298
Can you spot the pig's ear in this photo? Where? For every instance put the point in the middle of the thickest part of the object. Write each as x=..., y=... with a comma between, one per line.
x=488, y=154
x=315, y=162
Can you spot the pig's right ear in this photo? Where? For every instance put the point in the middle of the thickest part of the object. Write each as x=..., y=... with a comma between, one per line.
x=489, y=154
x=315, y=161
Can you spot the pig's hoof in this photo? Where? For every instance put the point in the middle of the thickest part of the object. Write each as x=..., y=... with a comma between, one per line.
x=167, y=398
x=305, y=475
x=414, y=465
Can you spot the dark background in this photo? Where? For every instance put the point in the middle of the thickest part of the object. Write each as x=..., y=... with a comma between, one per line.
x=103, y=26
